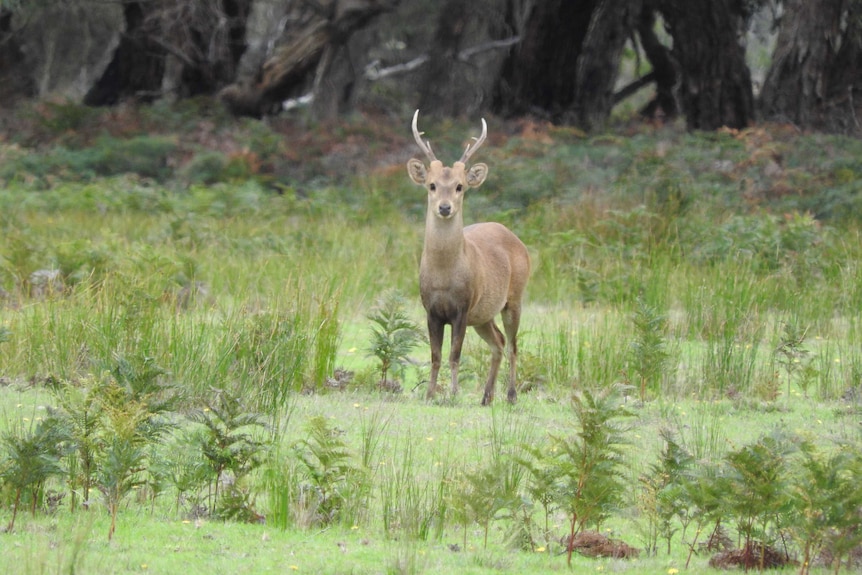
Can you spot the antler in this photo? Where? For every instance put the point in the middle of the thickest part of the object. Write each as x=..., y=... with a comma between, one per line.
x=417, y=135
x=479, y=141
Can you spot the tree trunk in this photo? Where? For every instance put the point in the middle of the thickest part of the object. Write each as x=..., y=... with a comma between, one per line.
x=441, y=79
x=454, y=84
x=815, y=66
x=15, y=82
x=840, y=114
x=715, y=83
x=334, y=83
x=172, y=49
x=311, y=55
x=540, y=77
x=664, y=67
x=611, y=24
x=137, y=68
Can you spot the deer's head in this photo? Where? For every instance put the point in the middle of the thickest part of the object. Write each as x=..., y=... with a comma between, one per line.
x=446, y=186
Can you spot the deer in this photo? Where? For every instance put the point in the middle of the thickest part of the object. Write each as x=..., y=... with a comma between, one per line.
x=467, y=275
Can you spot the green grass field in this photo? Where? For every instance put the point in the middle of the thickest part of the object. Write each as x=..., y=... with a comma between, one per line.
x=188, y=384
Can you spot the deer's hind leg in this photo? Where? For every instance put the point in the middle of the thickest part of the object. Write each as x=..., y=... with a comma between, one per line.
x=497, y=342
x=511, y=322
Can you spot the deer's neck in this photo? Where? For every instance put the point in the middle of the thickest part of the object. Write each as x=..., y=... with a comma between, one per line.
x=444, y=242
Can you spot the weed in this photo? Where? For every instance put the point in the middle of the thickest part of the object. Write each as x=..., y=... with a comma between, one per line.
x=31, y=457
x=329, y=470
x=79, y=414
x=327, y=334
x=228, y=444
x=393, y=335
x=406, y=560
x=268, y=351
x=661, y=496
x=794, y=357
x=541, y=481
x=182, y=465
x=558, y=352
x=825, y=503
x=584, y=469
x=412, y=507
x=757, y=495
x=480, y=494
x=648, y=357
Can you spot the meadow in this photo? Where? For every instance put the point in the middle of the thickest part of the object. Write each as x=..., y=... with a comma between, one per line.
x=212, y=352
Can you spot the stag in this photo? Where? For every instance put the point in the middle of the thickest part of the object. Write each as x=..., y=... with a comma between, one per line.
x=467, y=275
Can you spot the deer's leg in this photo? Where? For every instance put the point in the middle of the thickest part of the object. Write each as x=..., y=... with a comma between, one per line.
x=495, y=340
x=436, y=328
x=459, y=330
x=511, y=321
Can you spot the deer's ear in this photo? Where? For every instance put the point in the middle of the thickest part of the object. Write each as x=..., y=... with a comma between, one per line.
x=417, y=171
x=476, y=175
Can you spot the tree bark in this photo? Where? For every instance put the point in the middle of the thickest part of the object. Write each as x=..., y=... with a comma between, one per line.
x=540, y=77
x=611, y=24
x=440, y=83
x=137, y=68
x=715, y=83
x=815, y=67
x=173, y=49
x=458, y=79
x=15, y=82
x=312, y=55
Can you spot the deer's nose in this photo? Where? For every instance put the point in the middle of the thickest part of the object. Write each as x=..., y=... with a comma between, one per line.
x=444, y=210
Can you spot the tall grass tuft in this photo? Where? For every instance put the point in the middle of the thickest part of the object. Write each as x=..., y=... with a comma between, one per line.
x=415, y=495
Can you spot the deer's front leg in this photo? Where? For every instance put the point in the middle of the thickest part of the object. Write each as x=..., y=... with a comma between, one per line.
x=435, y=335
x=459, y=330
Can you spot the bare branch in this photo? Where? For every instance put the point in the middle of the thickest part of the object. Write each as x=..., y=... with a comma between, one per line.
x=373, y=71
x=468, y=53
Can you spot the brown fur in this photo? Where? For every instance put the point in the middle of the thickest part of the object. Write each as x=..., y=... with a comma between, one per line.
x=467, y=276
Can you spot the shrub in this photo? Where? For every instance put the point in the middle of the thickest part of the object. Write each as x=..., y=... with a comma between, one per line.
x=144, y=155
x=205, y=168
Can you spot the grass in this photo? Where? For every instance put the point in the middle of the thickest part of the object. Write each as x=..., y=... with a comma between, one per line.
x=439, y=437
x=675, y=264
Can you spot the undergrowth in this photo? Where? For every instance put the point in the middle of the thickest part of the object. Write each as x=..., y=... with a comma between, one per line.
x=180, y=293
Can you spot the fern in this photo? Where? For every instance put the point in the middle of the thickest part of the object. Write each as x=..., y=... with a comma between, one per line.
x=394, y=335
x=648, y=355
x=31, y=457
x=328, y=465
x=228, y=444
x=589, y=462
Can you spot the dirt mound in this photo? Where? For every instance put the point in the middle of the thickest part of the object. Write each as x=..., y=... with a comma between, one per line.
x=752, y=556
x=594, y=544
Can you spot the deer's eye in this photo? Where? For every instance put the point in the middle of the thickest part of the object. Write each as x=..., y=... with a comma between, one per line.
x=458, y=188
x=432, y=187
